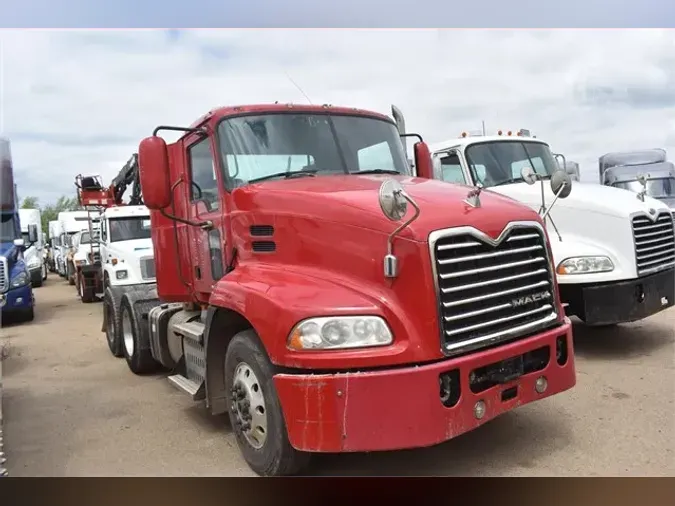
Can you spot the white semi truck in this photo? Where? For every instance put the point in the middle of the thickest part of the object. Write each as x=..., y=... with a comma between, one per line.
x=614, y=254
x=70, y=222
x=54, y=241
x=34, y=254
x=126, y=252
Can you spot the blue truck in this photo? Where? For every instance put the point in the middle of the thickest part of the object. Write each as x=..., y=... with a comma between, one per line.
x=16, y=291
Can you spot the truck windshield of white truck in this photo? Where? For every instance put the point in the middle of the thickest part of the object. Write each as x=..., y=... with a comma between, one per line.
x=500, y=162
x=657, y=188
x=128, y=229
x=271, y=146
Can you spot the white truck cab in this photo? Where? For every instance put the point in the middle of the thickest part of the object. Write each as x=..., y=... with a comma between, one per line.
x=126, y=246
x=614, y=254
x=34, y=254
x=71, y=222
x=55, y=243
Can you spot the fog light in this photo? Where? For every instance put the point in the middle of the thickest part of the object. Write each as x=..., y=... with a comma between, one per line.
x=541, y=384
x=479, y=410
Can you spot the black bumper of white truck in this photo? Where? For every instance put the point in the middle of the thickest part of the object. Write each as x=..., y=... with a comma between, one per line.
x=620, y=301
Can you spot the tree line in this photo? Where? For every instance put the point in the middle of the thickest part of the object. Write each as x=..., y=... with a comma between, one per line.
x=50, y=212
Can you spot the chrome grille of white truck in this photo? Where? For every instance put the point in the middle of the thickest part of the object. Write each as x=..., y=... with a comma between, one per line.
x=148, y=268
x=4, y=275
x=654, y=242
x=491, y=291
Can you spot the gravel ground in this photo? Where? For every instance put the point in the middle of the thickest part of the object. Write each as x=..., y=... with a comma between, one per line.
x=71, y=409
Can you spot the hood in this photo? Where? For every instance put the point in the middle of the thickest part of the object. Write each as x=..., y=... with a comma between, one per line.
x=134, y=247
x=586, y=197
x=353, y=199
x=6, y=248
x=669, y=201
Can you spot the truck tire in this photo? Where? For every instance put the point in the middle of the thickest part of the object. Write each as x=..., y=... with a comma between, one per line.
x=112, y=315
x=261, y=435
x=70, y=274
x=134, y=342
x=87, y=294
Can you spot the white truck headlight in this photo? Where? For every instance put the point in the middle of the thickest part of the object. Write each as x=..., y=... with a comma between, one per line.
x=585, y=265
x=121, y=274
x=340, y=332
x=20, y=280
x=33, y=262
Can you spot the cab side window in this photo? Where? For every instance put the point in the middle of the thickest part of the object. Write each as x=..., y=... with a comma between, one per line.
x=451, y=169
x=203, y=180
x=104, y=230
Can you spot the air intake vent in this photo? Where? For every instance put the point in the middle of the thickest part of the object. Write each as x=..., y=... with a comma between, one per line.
x=264, y=246
x=262, y=230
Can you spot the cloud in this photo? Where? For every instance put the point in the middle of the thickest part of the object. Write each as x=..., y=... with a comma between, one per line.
x=79, y=101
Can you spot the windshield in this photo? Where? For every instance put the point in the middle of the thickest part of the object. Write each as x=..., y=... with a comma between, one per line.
x=127, y=229
x=255, y=147
x=7, y=228
x=657, y=188
x=500, y=162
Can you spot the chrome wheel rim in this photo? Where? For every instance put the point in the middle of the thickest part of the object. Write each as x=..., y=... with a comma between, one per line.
x=128, y=335
x=248, y=406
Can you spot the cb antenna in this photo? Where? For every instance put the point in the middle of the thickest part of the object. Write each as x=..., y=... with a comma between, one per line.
x=299, y=88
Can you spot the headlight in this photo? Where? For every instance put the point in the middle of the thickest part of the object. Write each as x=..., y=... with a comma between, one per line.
x=340, y=332
x=33, y=262
x=20, y=280
x=121, y=274
x=585, y=265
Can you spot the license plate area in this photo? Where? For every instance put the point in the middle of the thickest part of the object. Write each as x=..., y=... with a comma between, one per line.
x=508, y=370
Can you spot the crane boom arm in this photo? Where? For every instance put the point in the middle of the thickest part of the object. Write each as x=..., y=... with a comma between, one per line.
x=91, y=192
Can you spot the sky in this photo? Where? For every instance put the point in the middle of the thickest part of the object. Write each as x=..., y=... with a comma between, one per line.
x=80, y=101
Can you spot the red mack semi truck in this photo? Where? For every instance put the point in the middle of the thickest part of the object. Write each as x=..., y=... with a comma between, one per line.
x=328, y=301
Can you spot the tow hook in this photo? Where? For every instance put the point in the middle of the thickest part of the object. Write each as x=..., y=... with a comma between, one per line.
x=640, y=293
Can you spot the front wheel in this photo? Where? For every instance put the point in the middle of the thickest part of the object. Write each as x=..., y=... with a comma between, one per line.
x=255, y=411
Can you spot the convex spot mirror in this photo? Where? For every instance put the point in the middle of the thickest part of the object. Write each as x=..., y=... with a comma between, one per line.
x=561, y=180
x=392, y=202
x=529, y=175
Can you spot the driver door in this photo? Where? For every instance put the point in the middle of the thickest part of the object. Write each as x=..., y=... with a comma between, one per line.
x=204, y=203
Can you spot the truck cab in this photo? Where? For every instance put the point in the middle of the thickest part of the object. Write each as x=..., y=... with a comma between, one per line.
x=34, y=254
x=643, y=172
x=71, y=222
x=614, y=254
x=16, y=292
x=328, y=301
x=55, y=259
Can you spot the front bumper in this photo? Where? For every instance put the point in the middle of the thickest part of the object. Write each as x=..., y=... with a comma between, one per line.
x=402, y=408
x=16, y=299
x=621, y=301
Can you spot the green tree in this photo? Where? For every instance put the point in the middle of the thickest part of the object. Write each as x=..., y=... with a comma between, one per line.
x=30, y=203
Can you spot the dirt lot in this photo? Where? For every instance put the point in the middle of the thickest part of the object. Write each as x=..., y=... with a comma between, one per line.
x=71, y=409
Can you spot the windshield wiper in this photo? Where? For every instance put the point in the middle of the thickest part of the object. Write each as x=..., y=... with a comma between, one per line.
x=286, y=175
x=376, y=171
x=508, y=181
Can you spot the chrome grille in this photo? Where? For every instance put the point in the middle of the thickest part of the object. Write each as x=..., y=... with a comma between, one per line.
x=4, y=275
x=148, y=268
x=654, y=242
x=490, y=291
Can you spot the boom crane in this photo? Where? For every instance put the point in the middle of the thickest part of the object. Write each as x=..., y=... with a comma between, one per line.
x=92, y=193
